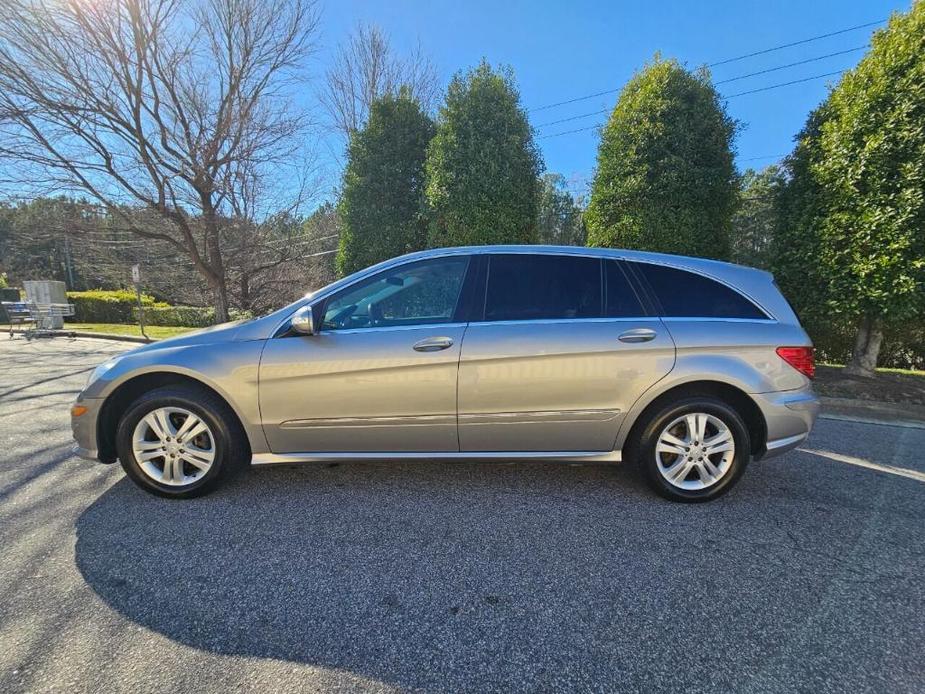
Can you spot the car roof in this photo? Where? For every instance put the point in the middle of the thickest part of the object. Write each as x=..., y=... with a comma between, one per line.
x=719, y=268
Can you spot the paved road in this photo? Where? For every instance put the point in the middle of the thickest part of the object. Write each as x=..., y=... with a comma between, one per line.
x=809, y=577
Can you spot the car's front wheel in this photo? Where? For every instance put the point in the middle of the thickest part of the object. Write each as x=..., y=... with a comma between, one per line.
x=179, y=441
x=694, y=450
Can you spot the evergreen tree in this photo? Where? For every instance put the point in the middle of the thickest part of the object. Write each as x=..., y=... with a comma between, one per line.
x=665, y=177
x=483, y=166
x=381, y=207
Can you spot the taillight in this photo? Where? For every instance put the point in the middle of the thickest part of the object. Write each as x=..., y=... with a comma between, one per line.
x=802, y=359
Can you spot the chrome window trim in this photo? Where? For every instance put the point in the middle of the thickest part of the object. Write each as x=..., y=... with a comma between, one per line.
x=570, y=321
x=709, y=319
x=380, y=328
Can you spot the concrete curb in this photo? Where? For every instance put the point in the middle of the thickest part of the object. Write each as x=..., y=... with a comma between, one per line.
x=98, y=336
x=867, y=409
x=109, y=336
x=904, y=424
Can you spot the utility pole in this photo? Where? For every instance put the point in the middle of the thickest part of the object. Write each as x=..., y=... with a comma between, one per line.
x=68, y=265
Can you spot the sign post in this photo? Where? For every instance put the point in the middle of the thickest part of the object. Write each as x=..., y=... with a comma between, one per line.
x=136, y=280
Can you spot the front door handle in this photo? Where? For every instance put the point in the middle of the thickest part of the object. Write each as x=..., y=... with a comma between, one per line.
x=637, y=335
x=433, y=344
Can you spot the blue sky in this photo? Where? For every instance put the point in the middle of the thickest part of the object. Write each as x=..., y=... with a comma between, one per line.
x=561, y=50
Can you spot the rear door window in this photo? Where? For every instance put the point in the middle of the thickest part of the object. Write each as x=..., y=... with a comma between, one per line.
x=536, y=287
x=684, y=294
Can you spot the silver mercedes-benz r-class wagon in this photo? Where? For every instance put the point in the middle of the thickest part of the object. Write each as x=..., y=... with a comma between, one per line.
x=689, y=367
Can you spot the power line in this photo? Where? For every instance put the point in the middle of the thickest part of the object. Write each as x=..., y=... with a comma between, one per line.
x=729, y=96
x=799, y=62
x=572, y=101
x=795, y=43
x=720, y=62
x=569, y=132
x=565, y=120
x=783, y=84
x=765, y=156
x=731, y=79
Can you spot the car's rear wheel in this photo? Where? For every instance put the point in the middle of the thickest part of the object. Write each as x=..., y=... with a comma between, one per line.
x=180, y=442
x=693, y=450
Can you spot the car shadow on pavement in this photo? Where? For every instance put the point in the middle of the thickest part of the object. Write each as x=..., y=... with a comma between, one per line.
x=404, y=573
x=489, y=576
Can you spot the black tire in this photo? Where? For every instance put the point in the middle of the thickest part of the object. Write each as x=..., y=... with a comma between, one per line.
x=657, y=421
x=232, y=451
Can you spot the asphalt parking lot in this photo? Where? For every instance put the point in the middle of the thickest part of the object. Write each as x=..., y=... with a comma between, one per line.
x=809, y=577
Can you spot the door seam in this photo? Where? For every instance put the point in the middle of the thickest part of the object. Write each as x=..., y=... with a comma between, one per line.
x=462, y=344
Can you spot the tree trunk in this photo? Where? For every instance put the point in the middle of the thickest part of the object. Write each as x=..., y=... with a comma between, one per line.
x=866, y=348
x=220, y=300
x=245, y=299
x=216, y=262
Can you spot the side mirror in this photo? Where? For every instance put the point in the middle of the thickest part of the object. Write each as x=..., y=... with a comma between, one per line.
x=303, y=322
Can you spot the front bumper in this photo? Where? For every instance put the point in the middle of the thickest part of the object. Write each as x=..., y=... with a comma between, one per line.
x=85, y=428
x=789, y=416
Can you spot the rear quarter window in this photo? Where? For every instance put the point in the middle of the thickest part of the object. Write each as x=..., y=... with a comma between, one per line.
x=684, y=294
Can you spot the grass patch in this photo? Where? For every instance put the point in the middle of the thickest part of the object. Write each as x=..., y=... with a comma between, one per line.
x=155, y=332
x=898, y=386
x=904, y=372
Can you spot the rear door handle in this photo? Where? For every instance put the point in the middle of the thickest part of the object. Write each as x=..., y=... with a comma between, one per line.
x=637, y=335
x=433, y=344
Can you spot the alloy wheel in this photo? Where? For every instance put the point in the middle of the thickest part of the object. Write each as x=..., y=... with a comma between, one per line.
x=173, y=446
x=695, y=451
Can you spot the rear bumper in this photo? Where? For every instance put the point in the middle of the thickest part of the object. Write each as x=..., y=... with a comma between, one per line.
x=789, y=416
x=85, y=428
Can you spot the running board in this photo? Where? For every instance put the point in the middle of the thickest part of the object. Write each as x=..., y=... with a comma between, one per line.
x=491, y=456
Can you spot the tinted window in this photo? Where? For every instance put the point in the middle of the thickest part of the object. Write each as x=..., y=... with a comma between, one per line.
x=413, y=294
x=533, y=287
x=687, y=294
x=620, y=300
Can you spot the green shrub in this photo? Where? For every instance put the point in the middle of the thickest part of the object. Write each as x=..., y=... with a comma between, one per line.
x=183, y=316
x=107, y=306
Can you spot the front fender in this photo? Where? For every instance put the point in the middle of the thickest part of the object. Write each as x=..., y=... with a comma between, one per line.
x=231, y=369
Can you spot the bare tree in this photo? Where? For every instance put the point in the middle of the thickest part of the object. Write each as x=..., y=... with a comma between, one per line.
x=180, y=106
x=282, y=258
x=366, y=68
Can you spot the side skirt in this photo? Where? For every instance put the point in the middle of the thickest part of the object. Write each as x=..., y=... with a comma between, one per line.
x=262, y=459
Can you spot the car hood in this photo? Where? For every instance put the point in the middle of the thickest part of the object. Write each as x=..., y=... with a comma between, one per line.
x=223, y=332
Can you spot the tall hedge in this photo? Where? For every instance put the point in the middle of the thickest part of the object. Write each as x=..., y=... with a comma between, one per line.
x=873, y=170
x=796, y=249
x=665, y=177
x=483, y=166
x=851, y=248
x=382, y=205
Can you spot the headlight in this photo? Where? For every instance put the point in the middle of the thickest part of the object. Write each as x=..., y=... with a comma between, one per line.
x=99, y=371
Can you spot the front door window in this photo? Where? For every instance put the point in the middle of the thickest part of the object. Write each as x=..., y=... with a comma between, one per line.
x=414, y=294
